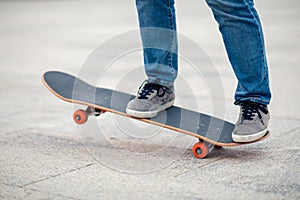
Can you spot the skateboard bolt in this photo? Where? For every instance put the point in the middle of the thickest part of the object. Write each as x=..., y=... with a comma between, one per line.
x=199, y=151
x=78, y=118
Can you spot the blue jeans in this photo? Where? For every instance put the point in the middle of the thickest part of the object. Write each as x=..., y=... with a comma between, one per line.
x=242, y=34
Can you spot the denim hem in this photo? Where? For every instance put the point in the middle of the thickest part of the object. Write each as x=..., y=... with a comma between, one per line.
x=252, y=99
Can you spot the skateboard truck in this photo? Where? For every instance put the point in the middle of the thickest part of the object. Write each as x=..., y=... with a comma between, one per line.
x=81, y=116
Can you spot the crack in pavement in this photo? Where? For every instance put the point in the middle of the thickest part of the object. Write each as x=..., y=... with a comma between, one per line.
x=53, y=176
x=292, y=130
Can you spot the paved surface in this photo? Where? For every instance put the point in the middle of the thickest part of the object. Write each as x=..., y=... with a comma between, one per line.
x=43, y=155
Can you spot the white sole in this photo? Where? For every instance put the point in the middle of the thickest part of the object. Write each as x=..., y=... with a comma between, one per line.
x=249, y=138
x=149, y=114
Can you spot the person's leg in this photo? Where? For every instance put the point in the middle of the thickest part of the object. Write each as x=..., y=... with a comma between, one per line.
x=158, y=32
x=243, y=38
x=157, y=23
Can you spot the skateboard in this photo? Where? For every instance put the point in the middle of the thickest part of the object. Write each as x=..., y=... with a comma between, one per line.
x=211, y=131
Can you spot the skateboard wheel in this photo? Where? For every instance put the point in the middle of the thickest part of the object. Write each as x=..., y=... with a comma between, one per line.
x=200, y=150
x=80, y=116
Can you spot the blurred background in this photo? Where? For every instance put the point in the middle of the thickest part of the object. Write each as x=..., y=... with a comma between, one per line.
x=39, y=35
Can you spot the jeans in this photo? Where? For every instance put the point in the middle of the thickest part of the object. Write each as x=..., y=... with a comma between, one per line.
x=242, y=34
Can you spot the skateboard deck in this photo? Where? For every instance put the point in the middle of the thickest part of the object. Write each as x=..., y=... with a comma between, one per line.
x=210, y=130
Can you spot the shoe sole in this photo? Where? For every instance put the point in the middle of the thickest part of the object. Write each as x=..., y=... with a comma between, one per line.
x=249, y=138
x=149, y=114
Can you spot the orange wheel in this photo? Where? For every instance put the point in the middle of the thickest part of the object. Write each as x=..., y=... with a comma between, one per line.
x=80, y=116
x=200, y=150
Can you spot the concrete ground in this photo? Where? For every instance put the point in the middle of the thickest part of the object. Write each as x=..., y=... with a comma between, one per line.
x=44, y=155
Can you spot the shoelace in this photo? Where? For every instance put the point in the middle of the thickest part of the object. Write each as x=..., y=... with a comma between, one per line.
x=146, y=89
x=249, y=109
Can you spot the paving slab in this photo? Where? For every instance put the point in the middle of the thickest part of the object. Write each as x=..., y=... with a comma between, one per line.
x=15, y=192
x=143, y=186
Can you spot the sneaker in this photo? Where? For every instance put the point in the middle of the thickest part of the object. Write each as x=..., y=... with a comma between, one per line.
x=151, y=99
x=252, y=123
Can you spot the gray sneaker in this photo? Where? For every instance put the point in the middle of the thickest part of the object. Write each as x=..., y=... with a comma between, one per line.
x=151, y=99
x=252, y=123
